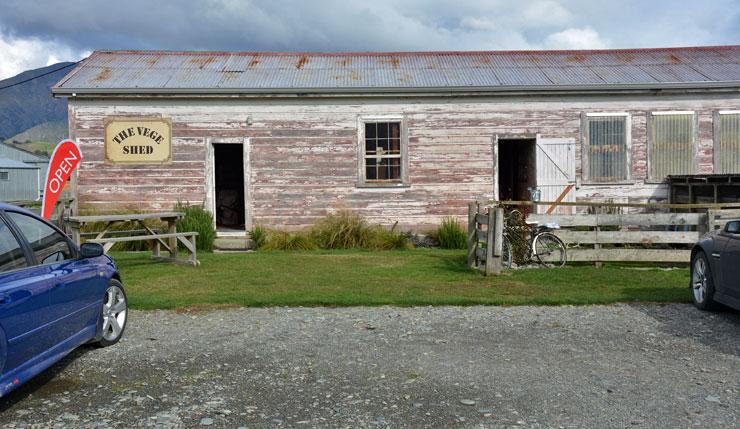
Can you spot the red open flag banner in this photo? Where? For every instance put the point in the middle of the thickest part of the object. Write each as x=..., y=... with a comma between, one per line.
x=64, y=160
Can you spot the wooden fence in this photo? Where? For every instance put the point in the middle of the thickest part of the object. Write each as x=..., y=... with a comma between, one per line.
x=485, y=232
x=660, y=236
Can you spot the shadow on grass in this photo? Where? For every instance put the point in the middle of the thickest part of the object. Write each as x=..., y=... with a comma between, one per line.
x=46, y=382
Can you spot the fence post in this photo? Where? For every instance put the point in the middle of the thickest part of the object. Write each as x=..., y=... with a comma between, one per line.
x=711, y=214
x=494, y=239
x=472, y=236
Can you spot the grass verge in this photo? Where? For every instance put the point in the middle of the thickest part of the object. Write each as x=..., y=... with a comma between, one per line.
x=357, y=277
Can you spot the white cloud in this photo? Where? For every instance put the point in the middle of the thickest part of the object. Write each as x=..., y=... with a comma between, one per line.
x=479, y=24
x=18, y=55
x=546, y=12
x=575, y=38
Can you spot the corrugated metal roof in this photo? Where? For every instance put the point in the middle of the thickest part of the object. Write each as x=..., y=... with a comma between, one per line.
x=10, y=163
x=265, y=72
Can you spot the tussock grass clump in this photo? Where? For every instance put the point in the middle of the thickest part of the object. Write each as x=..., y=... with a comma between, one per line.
x=259, y=234
x=342, y=230
x=387, y=239
x=283, y=240
x=197, y=219
x=347, y=230
x=451, y=235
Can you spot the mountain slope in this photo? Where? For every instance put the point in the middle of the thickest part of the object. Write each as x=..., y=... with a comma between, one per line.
x=28, y=104
x=41, y=138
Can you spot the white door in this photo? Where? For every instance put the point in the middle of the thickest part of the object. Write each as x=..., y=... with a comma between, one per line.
x=556, y=171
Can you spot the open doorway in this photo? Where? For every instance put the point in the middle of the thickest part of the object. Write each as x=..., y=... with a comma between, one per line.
x=229, y=180
x=517, y=165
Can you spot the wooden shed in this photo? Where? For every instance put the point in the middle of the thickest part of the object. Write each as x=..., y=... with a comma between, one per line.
x=282, y=139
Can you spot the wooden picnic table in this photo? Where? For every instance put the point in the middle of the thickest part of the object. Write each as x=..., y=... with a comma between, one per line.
x=168, y=240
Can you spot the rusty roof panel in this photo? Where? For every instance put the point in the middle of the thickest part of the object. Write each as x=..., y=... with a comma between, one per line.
x=160, y=71
x=623, y=73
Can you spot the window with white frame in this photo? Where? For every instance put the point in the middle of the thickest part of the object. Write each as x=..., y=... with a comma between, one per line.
x=383, y=152
x=606, y=147
x=4, y=175
x=671, y=144
x=727, y=142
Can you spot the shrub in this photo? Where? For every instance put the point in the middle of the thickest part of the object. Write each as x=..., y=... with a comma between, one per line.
x=197, y=219
x=451, y=235
x=258, y=234
x=283, y=240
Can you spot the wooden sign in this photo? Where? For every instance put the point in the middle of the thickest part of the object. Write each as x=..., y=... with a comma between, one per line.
x=138, y=140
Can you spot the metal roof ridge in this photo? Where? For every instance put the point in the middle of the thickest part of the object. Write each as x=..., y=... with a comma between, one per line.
x=421, y=53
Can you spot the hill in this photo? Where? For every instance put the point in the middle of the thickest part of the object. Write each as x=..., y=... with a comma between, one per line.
x=30, y=103
x=40, y=138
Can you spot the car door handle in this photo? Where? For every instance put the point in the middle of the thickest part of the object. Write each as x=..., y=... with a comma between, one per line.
x=5, y=299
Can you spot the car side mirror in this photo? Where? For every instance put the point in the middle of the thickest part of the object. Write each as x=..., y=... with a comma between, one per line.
x=91, y=250
x=733, y=227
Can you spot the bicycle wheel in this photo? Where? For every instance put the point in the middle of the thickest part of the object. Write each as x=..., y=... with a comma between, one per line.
x=548, y=250
x=506, y=254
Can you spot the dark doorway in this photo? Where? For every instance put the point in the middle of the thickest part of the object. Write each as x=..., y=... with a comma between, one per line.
x=229, y=175
x=516, y=169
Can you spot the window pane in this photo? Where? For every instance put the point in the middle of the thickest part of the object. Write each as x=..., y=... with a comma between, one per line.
x=394, y=146
x=370, y=132
x=727, y=152
x=11, y=254
x=607, y=141
x=4, y=175
x=394, y=130
x=48, y=245
x=383, y=130
x=370, y=146
x=383, y=139
x=672, y=145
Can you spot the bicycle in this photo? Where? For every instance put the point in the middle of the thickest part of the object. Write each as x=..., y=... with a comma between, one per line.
x=542, y=245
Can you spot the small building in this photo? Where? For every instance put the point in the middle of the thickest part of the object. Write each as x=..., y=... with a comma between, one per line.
x=26, y=157
x=282, y=139
x=18, y=181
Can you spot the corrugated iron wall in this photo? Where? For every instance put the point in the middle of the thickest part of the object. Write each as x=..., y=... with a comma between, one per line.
x=22, y=184
x=727, y=152
x=607, y=148
x=672, y=145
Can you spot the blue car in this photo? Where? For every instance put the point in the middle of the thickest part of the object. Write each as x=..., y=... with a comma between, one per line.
x=54, y=296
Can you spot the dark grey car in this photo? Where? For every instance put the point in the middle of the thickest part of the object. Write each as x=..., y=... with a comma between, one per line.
x=715, y=268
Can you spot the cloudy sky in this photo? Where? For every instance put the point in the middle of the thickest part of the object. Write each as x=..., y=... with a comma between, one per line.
x=35, y=33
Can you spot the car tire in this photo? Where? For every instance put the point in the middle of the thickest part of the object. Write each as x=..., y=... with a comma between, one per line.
x=702, y=284
x=113, y=315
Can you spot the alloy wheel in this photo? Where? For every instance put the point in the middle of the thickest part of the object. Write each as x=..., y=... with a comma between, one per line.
x=115, y=310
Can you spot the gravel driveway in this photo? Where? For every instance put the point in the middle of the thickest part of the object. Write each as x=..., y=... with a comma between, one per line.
x=595, y=366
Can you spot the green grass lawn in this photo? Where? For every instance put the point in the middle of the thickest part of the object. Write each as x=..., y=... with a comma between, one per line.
x=404, y=278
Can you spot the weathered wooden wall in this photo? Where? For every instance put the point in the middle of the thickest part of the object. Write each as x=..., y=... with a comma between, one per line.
x=304, y=152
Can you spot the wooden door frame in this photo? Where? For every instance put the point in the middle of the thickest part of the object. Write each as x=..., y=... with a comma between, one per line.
x=210, y=203
x=496, y=169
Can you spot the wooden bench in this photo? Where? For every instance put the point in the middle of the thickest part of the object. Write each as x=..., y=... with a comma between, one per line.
x=157, y=240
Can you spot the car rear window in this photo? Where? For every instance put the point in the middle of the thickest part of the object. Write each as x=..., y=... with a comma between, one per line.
x=11, y=254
